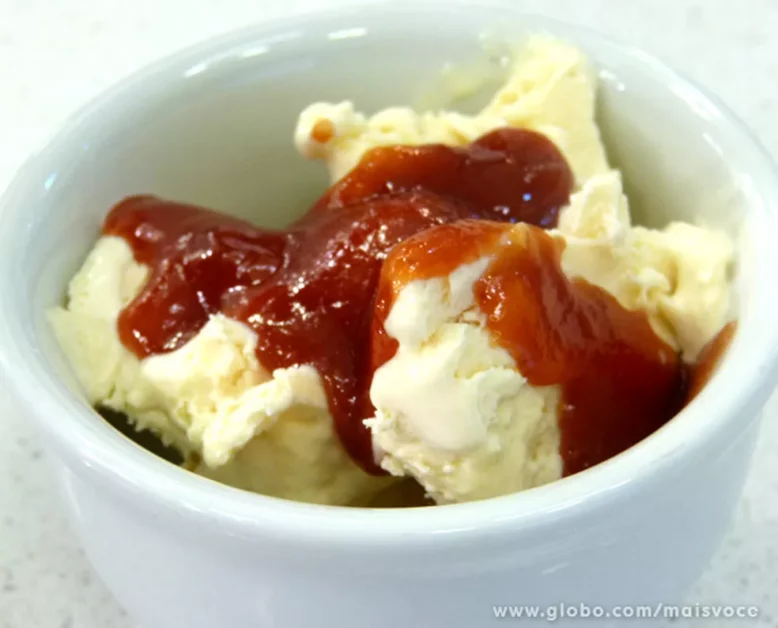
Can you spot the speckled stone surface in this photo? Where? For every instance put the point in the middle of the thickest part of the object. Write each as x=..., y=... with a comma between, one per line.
x=55, y=55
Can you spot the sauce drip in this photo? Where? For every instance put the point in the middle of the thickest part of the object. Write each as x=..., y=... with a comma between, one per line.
x=509, y=175
x=619, y=381
x=308, y=292
x=708, y=360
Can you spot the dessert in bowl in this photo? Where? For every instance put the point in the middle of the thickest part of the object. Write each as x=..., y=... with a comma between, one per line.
x=211, y=127
x=468, y=305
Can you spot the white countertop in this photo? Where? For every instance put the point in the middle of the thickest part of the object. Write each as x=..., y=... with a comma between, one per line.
x=55, y=55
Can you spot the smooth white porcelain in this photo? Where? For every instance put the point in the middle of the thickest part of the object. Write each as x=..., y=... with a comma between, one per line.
x=213, y=125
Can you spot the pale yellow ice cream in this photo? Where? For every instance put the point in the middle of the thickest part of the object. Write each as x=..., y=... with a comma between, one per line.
x=679, y=275
x=453, y=410
x=550, y=90
x=269, y=433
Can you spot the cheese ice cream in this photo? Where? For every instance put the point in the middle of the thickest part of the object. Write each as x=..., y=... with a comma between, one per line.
x=452, y=407
x=550, y=89
x=270, y=433
x=679, y=276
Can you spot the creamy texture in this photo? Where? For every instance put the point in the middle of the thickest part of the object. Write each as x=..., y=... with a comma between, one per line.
x=86, y=329
x=679, y=276
x=550, y=90
x=452, y=409
x=271, y=433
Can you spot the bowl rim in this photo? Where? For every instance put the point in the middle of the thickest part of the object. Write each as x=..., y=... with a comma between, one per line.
x=154, y=484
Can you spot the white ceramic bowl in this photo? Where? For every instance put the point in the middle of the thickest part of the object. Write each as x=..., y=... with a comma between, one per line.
x=213, y=125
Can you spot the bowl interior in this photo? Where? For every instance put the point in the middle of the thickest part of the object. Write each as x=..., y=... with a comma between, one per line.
x=213, y=126
x=216, y=129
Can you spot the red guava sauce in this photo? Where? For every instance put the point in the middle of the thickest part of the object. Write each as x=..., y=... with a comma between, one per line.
x=708, y=360
x=619, y=381
x=318, y=292
x=308, y=291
